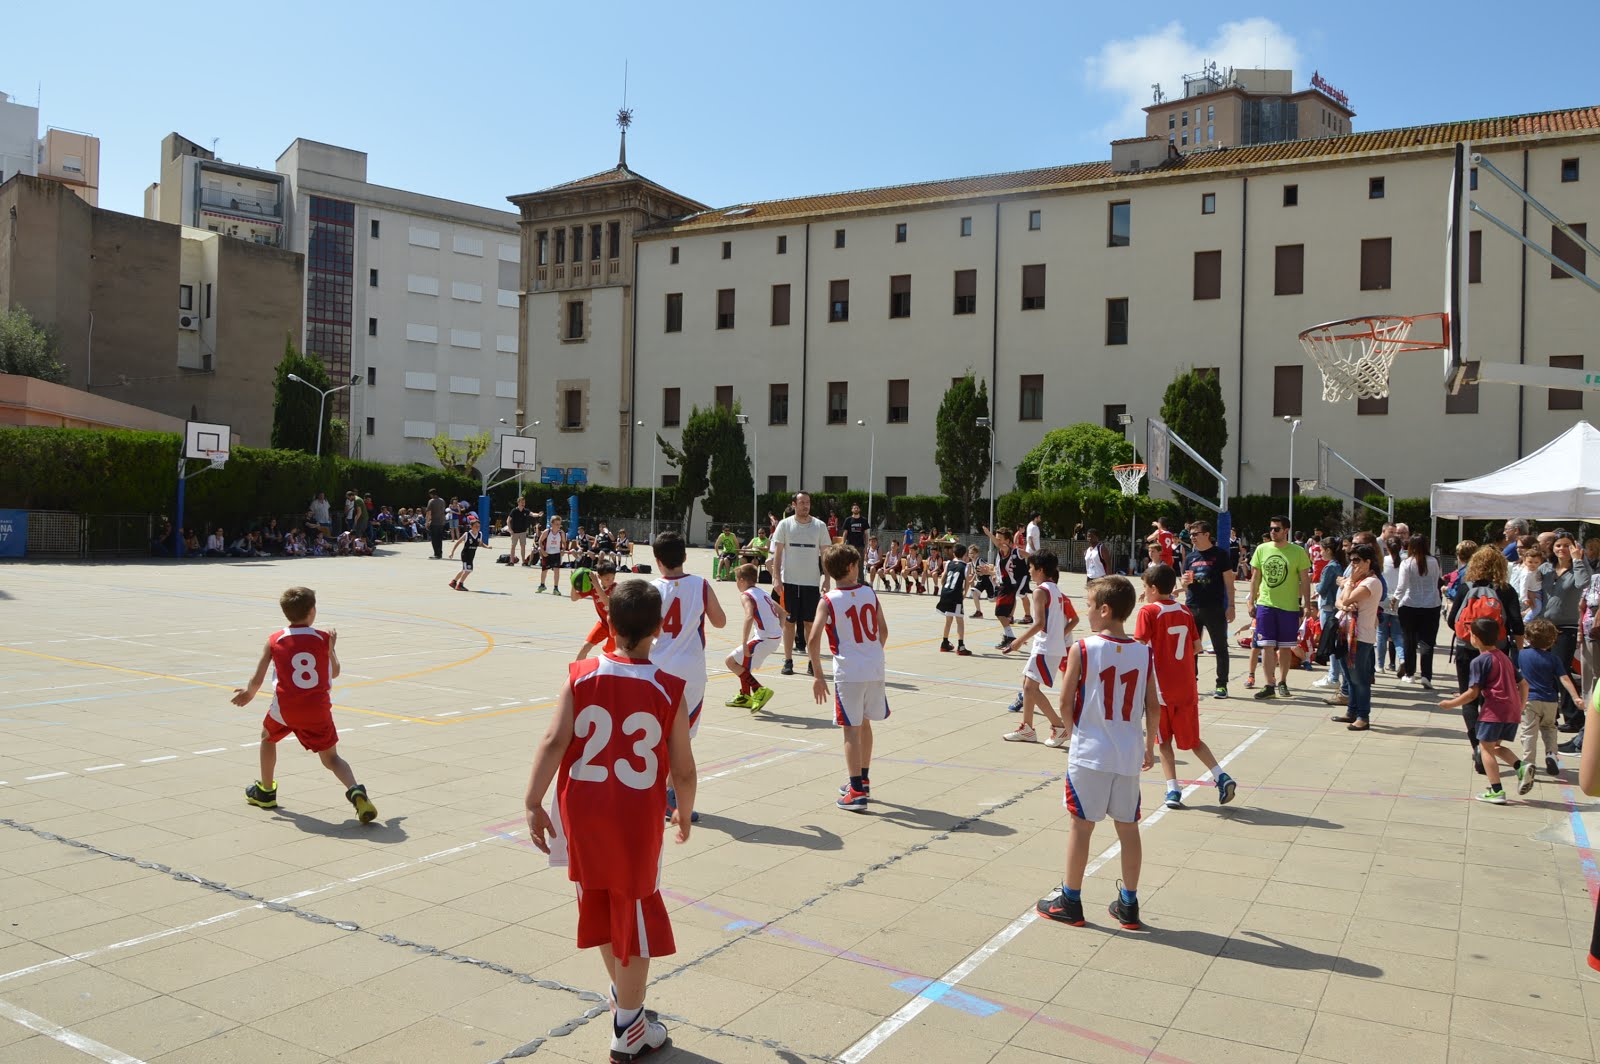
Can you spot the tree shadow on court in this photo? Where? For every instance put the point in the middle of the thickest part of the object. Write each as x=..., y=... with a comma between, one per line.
x=1274, y=818
x=807, y=836
x=803, y=723
x=384, y=831
x=935, y=819
x=1266, y=951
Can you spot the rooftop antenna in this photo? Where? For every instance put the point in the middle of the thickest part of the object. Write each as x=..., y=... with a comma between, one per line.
x=214, y=141
x=624, y=119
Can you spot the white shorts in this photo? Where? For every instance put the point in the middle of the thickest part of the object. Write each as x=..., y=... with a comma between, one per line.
x=1092, y=793
x=855, y=702
x=757, y=651
x=694, y=696
x=1043, y=672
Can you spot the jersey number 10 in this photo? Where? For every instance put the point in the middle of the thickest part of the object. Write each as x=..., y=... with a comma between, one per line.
x=863, y=622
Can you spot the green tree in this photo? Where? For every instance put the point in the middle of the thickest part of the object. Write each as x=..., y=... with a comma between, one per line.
x=1075, y=458
x=295, y=407
x=1193, y=408
x=711, y=461
x=961, y=448
x=27, y=349
x=460, y=456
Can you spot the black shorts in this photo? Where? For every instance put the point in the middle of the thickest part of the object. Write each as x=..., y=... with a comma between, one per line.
x=800, y=600
x=1005, y=605
x=549, y=561
x=950, y=603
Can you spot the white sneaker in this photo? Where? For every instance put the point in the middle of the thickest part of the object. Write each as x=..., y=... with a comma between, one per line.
x=1324, y=682
x=1404, y=681
x=1058, y=739
x=1024, y=734
x=643, y=1036
x=1427, y=685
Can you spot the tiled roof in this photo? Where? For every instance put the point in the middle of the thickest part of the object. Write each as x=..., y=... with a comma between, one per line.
x=1476, y=131
x=617, y=175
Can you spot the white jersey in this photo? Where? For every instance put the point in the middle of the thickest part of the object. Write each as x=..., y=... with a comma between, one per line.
x=680, y=646
x=872, y=558
x=552, y=541
x=767, y=625
x=854, y=619
x=1108, y=715
x=1050, y=642
x=1094, y=566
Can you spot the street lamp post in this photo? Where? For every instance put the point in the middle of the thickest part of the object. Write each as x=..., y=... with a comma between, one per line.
x=987, y=423
x=755, y=472
x=323, y=401
x=1294, y=426
x=872, y=456
x=654, y=450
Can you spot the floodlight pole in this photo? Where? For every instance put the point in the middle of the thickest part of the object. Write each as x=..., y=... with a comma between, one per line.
x=1294, y=427
x=872, y=455
x=1123, y=421
x=988, y=423
x=323, y=401
x=755, y=469
x=654, y=450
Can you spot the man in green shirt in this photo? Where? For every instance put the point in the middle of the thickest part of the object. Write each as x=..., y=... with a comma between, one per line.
x=1280, y=592
x=727, y=548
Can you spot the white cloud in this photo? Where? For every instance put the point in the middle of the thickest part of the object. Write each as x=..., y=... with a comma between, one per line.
x=1128, y=68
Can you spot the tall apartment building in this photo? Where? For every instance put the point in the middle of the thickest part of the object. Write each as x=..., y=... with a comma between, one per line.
x=64, y=156
x=19, y=138
x=1075, y=292
x=198, y=189
x=1238, y=106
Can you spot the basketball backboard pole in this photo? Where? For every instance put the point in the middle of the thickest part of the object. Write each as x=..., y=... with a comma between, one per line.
x=1325, y=457
x=1159, y=441
x=209, y=443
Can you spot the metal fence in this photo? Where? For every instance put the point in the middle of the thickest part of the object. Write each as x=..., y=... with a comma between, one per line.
x=57, y=534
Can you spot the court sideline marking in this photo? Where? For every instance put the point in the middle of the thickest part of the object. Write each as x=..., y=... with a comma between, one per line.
x=71, y=1039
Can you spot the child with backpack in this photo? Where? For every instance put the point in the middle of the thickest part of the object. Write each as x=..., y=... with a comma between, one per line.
x=1500, y=692
x=1485, y=594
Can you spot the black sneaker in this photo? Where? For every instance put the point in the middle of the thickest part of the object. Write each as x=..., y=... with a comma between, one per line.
x=1551, y=767
x=788, y=668
x=260, y=797
x=1057, y=906
x=1267, y=693
x=1568, y=747
x=945, y=647
x=1004, y=643
x=962, y=651
x=1125, y=913
x=809, y=670
x=366, y=812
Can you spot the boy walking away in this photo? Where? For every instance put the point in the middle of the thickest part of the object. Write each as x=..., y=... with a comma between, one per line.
x=1010, y=573
x=1107, y=678
x=469, y=541
x=595, y=585
x=551, y=544
x=762, y=631
x=304, y=663
x=958, y=577
x=680, y=647
x=1169, y=630
x=857, y=633
x=610, y=797
x=1049, y=634
x=1494, y=679
x=1546, y=675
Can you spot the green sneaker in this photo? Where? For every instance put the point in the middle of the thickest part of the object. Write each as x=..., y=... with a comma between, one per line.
x=365, y=810
x=1493, y=797
x=739, y=701
x=759, y=700
x=261, y=797
x=1526, y=771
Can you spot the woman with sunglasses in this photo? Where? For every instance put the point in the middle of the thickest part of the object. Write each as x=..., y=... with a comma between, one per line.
x=1360, y=596
x=1566, y=577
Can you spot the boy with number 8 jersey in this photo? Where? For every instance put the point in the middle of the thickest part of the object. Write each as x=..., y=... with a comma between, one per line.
x=687, y=602
x=305, y=664
x=857, y=633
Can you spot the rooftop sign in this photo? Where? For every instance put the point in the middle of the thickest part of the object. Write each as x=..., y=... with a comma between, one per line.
x=1320, y=84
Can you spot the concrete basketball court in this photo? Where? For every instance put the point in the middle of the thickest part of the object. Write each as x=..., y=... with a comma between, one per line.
x=1353, y=904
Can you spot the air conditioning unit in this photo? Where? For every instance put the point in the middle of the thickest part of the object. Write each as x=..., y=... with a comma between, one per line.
x=188, y=319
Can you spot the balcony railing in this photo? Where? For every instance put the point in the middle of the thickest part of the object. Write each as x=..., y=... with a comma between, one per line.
x=222, y=200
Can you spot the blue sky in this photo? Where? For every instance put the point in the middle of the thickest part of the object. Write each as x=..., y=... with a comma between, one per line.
x=477, y=101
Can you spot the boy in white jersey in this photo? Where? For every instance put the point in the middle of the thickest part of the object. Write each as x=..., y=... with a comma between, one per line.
x=1107, y=679
x=958, y=577
x=687, y=602
x=551, y=544
x=1054, y=620
x=857, y=633
x=762, y=633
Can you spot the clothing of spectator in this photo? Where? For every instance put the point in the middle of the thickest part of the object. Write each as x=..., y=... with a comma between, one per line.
x=319, y=511
x=437, y=516
x=1417, y=598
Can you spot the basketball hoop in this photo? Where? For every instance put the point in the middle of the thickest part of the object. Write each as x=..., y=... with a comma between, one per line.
x=1355, y=354
x=1128, y=477
x=218, y=459
x=1307, y=486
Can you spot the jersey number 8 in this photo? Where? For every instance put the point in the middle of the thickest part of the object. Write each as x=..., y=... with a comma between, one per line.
x=595, y=724
x=305, y=671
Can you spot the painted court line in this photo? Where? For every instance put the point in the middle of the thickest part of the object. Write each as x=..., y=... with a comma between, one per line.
x=46, y=776
x=102, y=768
x=213, y=750
x=153, y=760
x=72, y=1039
x=914, y=1008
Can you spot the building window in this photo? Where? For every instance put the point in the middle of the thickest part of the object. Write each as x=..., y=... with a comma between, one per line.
x=966, y=226
x=1291, y=195
x=575, y=320
x=835, y=485
x=1112, y=418
x=1472, y=179
x=1211, y=112
x=1562, y=246
x=727, y=249
x=838, y=402
x=614, y=240
x=674, y=312
x=372, y=376
x=1116, y=321
x=1286, y=387
x=1465, y=401
x=669, y=407
x=1031, y=403
x=594, y=242
x=561, y=247
x=1184, y=140
x=1365, y=405
x=900, y=295
x=1475, y=257
x=900, y=232
x=1208, y=203
x=780, y=304
x=1208, y=275
x=672, y=255
x=1565, y=398
x=669, y=480
x=577, y=244
x=1035, y=221
x=572, y=409
x=783, y=245
x=777, y=404
x=777, y=483
x=1172, y=121
x=373, y=229
x=1289, y=270
x=899, y=402
x=208, y=312
x=1362, y=488
x=838, y=238
x=839, y=300
x=372, y=326
x=372, y=278
x=724, y=397
x=1033, y=287
x=724, y=308
x=372, y=425
x=1119, y=226
x=1375, y=260
x=186, y=297
x=541, y=243
x=1374, y=188
x=1569, y=172
x=894, y=487
x=966, y=292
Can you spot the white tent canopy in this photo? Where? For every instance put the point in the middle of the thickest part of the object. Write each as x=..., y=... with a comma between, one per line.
x=1558, y=482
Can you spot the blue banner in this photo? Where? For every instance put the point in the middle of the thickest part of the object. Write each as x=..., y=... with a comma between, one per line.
x=13, y=533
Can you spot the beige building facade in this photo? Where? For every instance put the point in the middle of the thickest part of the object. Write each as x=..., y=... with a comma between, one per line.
x=1077, y=293
x=1234, y=107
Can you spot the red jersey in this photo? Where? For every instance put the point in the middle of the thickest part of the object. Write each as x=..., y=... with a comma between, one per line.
x=601, y=599
x=612, y=786
x=1169, y=630
x=300, y=662
x=1166, y=540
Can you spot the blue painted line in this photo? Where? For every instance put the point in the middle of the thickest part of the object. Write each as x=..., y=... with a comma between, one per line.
x=945, y=994
x=97, y=698
x=1580, y=836
x=740, y=925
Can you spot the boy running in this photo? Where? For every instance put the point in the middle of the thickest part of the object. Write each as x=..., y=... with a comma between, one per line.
x=1010, y=574
x=1107, y=677
x=469, y=541
x=958, y=577
x=762, y=633
x=610, y=795
x=601, y=580
x=857, y=633
x=1493, y=676
x=1546, y=675
x=304, y=662
x=1169, y=630
x=680, y=647
x=1049, y=633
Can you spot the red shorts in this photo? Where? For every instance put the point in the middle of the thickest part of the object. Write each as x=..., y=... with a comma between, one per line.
x=1180, y=725
x=600, y=633
x=314, y=729
x=632, y=927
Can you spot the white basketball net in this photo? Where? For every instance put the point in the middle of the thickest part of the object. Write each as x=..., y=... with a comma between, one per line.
x=218, y=459
x=1128, y=477
x=1355, y=355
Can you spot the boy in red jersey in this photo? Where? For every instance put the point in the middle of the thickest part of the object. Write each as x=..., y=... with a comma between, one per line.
x=609, y=762
x=305, y=663
x=602, y=580
x=857, y=634
x=1168, y=629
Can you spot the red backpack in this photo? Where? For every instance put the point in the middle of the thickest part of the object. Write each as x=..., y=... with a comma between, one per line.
x=1479, y=602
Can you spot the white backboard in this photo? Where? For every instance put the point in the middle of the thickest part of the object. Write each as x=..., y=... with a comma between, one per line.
x=202, y=439
x=517, y=453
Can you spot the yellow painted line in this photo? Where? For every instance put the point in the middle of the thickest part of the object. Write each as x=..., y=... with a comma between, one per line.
x=488, y=646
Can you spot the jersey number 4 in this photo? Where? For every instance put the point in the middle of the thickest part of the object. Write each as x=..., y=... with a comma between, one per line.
x=1129, y=682
x=595, y=724
x=672, y=623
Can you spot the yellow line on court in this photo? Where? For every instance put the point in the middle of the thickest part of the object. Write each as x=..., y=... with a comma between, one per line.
x=488, y=646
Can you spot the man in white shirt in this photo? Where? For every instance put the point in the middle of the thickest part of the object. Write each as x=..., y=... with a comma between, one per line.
x=1032, y=543
x=796, y=565
x=320, y=513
